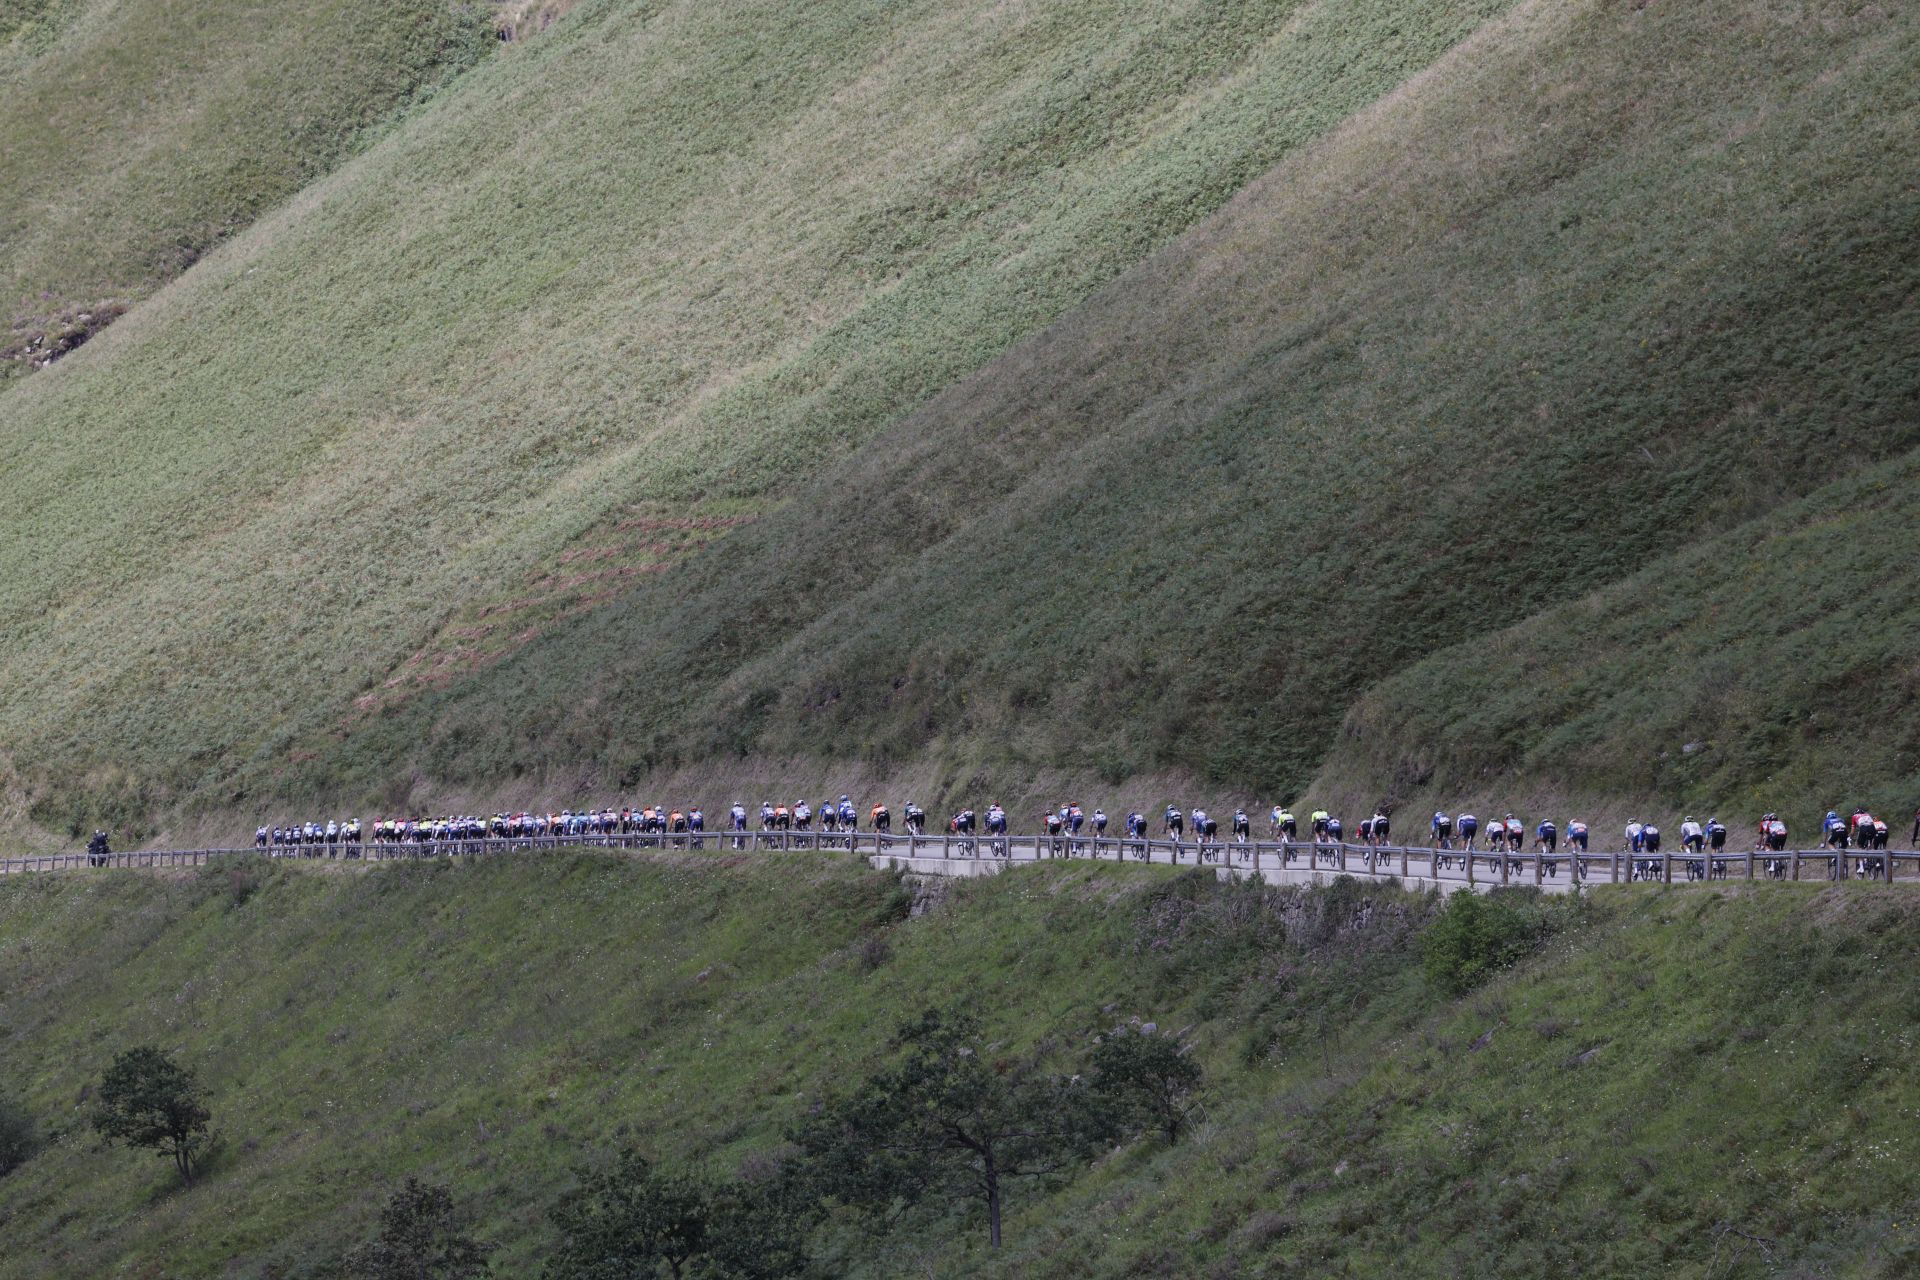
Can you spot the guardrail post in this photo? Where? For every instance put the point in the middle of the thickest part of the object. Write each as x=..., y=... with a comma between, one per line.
x=1749, y=864
x=1469, y=866
x=1793, y=868
x=1536, y=868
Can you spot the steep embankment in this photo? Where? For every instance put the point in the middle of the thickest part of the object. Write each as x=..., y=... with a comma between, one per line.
x=1686, y=1081
x=1775, y=660
x=595, y=306
x=843, y=381
x=1606, y=281
x=135, y=136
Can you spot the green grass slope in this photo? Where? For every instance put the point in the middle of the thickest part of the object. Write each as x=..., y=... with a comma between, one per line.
x=1770, y=662
x=139, y=134
x=1608, y=280
x=1669, y=1068
x=597, y=305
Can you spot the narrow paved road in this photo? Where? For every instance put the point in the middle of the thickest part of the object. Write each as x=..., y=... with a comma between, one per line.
x=986, y=855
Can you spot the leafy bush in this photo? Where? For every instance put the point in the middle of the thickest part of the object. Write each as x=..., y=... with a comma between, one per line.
x=1473, y=938
x=420, y=1238
x=1147, y=1080
x=18, y=1140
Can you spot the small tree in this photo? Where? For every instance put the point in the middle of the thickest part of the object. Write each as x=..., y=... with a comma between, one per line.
x=421, y=1238
x=18, y=1141
x=1144, y=1081
x=148, y=1100
x=631, y=1221
x=946, y=1120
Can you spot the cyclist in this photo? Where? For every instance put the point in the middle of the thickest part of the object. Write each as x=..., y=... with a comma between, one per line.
x=1833, y=832
x=1174, y=822
x=882, y=819
x=1716, y=833
x=1287, y=829
x=917, y=818
x=1468, y=826
x=1635, y=830
x=1076, y=818
x=1381, y=825
x=1546, y=837
x=802, y=816
x=1242, y=826
x=996, y=820
x=1650, y=843
x=1861, y=827
x=1136, y=826
x=1099, y=823
x=1320, y=819
x=849, y=817
x=1693, y=836
x=1516, y=834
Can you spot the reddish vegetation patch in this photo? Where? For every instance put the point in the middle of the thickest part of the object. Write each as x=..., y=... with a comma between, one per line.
x=682, y=523
x=490, y=631
x=588, y=553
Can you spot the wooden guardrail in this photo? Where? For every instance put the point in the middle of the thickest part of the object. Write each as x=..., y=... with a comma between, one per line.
x=1560, y=871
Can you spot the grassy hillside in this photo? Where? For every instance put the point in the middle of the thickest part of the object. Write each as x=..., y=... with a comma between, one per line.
x=1607, y=281
x=139, y=134
x=969, y=388
x=1772, y=661
x=593, y=307
x=1671, y=1068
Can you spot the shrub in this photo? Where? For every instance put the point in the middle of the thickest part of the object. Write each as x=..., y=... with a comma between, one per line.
x=1473, y=938
x=18, y=1141
x=420, y=1238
